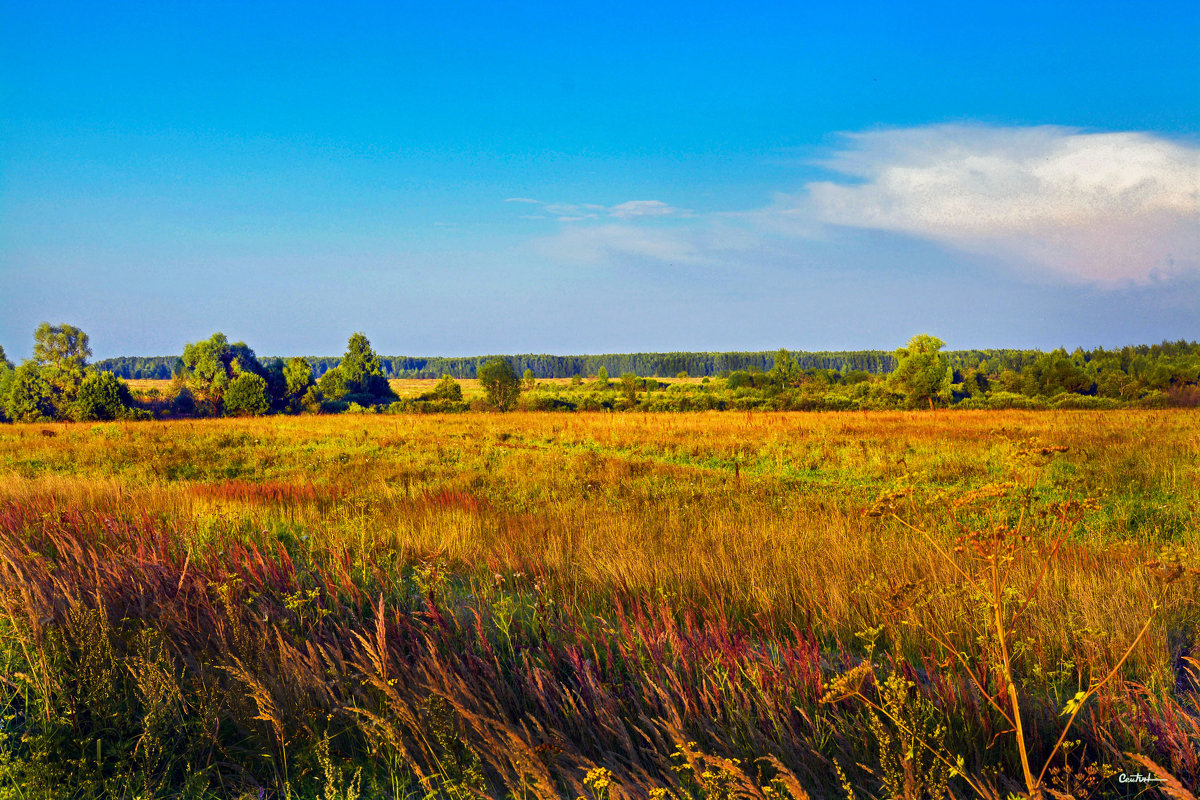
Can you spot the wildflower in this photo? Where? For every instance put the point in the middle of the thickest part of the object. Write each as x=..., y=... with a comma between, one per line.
x=848, y=684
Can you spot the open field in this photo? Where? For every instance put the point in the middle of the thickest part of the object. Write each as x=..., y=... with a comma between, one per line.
x=405, y=387
x=500, y=603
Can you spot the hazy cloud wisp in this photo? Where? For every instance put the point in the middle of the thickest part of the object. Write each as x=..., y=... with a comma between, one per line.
x=578, y=212
x=1103, y=208
x=1106, y=208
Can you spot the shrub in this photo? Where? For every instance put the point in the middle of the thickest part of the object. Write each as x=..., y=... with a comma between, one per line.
x=247, y=396
x=30, y=398
x=1010, y=400
x=1067, y=400
x=101, y=397
x=184, y=403
x=333, y=385
x=448, y=389
x=738, y=380
x=500, y=383
x=311, y=400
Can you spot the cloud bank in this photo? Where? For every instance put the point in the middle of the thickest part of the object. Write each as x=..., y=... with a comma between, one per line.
x=1107, y=208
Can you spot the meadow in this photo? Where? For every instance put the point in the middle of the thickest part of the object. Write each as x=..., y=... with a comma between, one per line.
x=695, y=605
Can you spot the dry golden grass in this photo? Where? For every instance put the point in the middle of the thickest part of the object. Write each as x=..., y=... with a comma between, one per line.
x=761, y=514
x=768, y=527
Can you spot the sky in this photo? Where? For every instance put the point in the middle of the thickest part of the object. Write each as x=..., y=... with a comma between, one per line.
x=473, y=178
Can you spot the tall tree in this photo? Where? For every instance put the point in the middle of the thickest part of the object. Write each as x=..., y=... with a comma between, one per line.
x=209, y=367
x=923, y=373
x=4, y=362
x=784, y=371
x=500, y=382
x=62, y=352
x=30, y=396
x=361, y=370
x=298, y=376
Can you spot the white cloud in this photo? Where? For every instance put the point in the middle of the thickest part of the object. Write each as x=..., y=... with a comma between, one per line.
x=641, y=208
x=1106, y=208
x=629, y=210
x=1109, y=209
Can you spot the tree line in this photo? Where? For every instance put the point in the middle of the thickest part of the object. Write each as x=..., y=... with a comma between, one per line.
x=216, y=377
x=662, y=365
x=695, y=364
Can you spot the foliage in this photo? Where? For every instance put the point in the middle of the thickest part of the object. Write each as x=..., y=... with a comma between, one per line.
x=500, y=383
x=7, y=374
x=4, y=362
x=30, y=396
x=298, y=377
x=922, y=373
x=361, y=371
x=784, y=370
x=448, y=389
x=62, y=352
x=332, y=385
x=247, y=396
x=102, y=396
x=210, y=367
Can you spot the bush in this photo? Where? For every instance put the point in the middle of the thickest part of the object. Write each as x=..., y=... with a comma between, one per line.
x=448, y=389
x=30, y=398
x=500, y=383
x=184, y=402
x=1010, y=400
x=738, y=380
x=1083, y=401
x=332, y=385
x=101, y=397
x=311, y=400
x=247, y=396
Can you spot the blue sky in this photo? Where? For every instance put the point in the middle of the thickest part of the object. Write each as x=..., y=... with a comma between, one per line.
x=471, y=178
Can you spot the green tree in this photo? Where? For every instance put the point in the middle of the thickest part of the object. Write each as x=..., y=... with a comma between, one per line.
x=922, y=372
x=247, y=396
x=6, y=379
x=602, y=378
x=101, y=396
x=299, y=376
x=209, y=367
x=500, y=383
x=629, y=386
x=332, y=384
x=62, y=352
x=448, y=389
x=4, y=362
x=272, y=372
x=297, y=379
x=30, y=396
x=361, y=370
x=784, y=371
x=529, y=380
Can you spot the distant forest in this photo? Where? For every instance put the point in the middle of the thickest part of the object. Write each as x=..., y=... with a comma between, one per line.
x=216, y=377
x=666, y=365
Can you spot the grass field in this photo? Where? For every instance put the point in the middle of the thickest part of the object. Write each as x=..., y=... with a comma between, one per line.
x=706, y=605
x=403, y=387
